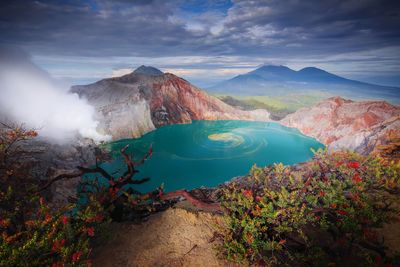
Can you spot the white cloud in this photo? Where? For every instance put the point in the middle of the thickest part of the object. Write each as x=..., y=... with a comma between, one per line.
x=121, y=72
x=205, y=72
x=29, y=97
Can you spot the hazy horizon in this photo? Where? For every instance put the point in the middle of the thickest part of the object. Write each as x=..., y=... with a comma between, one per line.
x=199, y=82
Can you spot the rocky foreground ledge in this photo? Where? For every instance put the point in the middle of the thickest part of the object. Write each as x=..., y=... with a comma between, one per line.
x=365, y=127
x=176, y=237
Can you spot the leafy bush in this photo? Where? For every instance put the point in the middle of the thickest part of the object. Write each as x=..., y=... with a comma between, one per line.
x=325, y=210
x=49, y=238
x=34, y=234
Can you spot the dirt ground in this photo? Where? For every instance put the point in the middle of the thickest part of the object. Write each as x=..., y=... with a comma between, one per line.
x=180, y=237
x=391, y=233
x=176, y=237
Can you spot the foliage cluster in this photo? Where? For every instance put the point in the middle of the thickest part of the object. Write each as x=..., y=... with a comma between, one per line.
x=32, y=232
x=327, y=210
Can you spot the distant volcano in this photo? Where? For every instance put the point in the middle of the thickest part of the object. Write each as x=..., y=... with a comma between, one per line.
x=148, y=70
x=280, y=80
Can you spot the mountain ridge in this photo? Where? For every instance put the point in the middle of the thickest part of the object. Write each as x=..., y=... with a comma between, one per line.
x=136, y=103
x=148, y=70
x=340, y=123
x=280, y=80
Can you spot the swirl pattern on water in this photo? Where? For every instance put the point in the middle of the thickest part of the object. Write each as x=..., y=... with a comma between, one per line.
x=226, y=137
x=228, y=143
x=206, y=153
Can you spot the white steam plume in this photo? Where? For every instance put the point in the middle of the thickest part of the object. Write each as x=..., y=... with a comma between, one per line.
x=28, y=95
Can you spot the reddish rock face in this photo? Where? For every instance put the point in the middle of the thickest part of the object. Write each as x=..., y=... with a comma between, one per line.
x=340, y=123
x=182, y=102
x=134, y=104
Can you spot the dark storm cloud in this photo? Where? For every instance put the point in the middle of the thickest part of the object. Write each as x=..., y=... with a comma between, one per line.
x=154, y=28
x=72, y=38
x=330, y=26
x=90, y=28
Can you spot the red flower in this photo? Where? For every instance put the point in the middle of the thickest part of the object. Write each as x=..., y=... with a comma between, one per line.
x=355, y=197
x=4, y=223
x=57, y=245
x=99, y=218
x=282, y=242
x=47, y=217
x=322, y=193
x=333, y=205
x=356, y=178
x=248, y=193
x=342, y=212
x=76, y=256
x=113, y=192
x=258, y=198
x=308, y=182
x=249, y=238
x=90, y=231
x=353, y=164
x=31, y=133
x=339, y=163
x=64, y=220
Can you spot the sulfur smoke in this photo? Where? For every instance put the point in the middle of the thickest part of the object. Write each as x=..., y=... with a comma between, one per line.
x=29, y=95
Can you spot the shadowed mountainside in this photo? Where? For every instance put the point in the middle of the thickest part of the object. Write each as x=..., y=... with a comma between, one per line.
x=281, y=80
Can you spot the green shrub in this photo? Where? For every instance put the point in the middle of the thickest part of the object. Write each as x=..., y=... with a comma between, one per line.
x=325, y=210
x=50, y=237
x=34, y=234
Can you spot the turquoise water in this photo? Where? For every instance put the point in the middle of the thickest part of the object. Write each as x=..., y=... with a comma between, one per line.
x=208, y=153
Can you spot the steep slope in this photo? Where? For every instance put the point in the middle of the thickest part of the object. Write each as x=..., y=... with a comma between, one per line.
x=339, y=123
x=280, y=80
x=148, y=70
x=134, y=104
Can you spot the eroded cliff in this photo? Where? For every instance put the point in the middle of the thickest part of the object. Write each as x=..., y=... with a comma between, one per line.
x=344, y=124
x=134, y=104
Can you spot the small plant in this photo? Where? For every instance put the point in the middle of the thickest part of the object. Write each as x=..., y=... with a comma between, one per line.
x=326, y=210
x=31, y=232
x=34, y=234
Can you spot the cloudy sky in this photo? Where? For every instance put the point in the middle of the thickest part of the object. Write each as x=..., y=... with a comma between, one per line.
x=205, y=41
